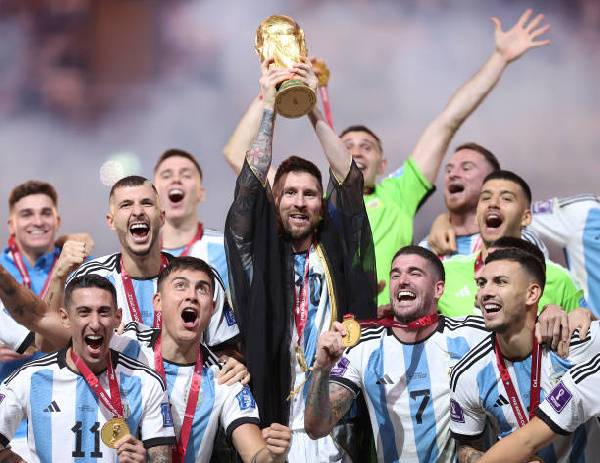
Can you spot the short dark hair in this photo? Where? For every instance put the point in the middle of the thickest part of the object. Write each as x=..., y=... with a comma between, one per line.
x=511, y=177
x=32, y=187
x=173, y=152
x=89, y=281
x=297, y=164
x=509, y=242
x=434, y=261
x=486, y=153
x=363, y=128
x=186, y=263
x=530, y=264
x=132, y=180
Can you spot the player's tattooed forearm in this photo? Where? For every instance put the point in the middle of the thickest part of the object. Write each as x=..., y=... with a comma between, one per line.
x=7, y=456
x=318, y=395
x=159, y=454
x=341, y=400
x=255, y=457
x=260, y=154
x=468, y=454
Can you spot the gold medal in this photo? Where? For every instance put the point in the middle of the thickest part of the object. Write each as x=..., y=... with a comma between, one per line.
x=352, y=328
x=113, y=430
x=301, y=359
x=536, y=458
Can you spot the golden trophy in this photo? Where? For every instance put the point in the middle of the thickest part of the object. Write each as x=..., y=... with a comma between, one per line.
x=280, y=37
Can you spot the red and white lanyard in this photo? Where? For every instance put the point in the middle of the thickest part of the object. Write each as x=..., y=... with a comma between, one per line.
x=427, y=320
x=20, y=263
x=196, y=237
x=112, y=402
x=513, y=398
x=134, y=308
x=301, y=301
x=190, y=408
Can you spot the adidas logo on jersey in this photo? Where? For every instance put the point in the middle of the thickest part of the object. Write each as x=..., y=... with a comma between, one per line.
x=53, y=407
x=385, y=380
x=501, y=401
x=464, y=291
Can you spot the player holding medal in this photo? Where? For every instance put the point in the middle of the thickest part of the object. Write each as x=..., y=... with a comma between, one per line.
x=63, y=395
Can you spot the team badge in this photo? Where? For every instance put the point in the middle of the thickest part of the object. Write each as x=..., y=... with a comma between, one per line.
x=456, y=413
x=166, y=415
x=340, y=368
x=559, y=397
x=245, y=399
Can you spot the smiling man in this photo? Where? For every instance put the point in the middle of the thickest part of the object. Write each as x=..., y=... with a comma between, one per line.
x=503, y=209
x=297, y=263
x=504, y=378
x=62, y=395
x=402, y=367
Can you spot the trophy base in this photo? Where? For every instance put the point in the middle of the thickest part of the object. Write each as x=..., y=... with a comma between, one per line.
x=294, y=99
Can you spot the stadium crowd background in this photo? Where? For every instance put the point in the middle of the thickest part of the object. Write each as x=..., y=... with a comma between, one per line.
x=86, y=85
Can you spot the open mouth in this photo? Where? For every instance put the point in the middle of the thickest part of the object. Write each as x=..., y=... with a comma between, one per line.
x=176, y=195
x=189, y=317
x=452, y=189
x=93, y=342
x=491, y=307
x=493, y=221
x=139, y=231
x=298, y=217
x=37, y=232
x=406, y=295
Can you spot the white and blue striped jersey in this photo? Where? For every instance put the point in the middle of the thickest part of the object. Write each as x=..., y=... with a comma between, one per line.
x=574, y=400
x=318, y=321
x=218, y=404
x=65, y=416
x=222, y=328
x=573, y=223
x=407, y=387
x=478, y=395
x=469, y=244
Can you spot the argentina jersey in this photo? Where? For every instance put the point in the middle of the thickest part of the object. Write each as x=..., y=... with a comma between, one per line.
x=574, y=224
x=406, y=387
x=109, y=267
x=217, y=405
x=574, y=400
x=318, y=321
x=65, y=416
x=478, y=395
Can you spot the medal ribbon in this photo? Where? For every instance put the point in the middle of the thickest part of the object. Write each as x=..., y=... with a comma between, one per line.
x=113, y=403
x=190, y=408
x=326, y=107
x=16, y=252
x=534, y=399
x=427, y=320
x=478, y=262
x=301, y=302
x=197, y=237
x=134, y=308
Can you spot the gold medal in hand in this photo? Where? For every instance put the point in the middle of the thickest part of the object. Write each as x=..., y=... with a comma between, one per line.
x=352, y=328
x=113, y=430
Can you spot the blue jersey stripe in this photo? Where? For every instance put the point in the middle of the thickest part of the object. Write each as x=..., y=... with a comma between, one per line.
x=40, y=397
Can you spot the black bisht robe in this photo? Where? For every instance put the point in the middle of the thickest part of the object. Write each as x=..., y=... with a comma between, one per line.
x=261, y=277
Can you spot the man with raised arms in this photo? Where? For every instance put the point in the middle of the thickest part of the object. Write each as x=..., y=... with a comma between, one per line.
x=297, y=262
x=392, y=203
x=87, y=400
x=503, y=378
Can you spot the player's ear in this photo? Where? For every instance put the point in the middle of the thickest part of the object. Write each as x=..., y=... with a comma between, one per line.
x=64, y=317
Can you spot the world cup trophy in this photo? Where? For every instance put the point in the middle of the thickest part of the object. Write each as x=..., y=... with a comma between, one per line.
x=280, y=37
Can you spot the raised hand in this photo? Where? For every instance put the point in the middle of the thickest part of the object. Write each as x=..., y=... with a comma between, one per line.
x=516, y=41
x=330, y=347
x=270, y=79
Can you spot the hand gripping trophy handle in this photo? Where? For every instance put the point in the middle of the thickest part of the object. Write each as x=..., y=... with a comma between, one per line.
x=280, y=37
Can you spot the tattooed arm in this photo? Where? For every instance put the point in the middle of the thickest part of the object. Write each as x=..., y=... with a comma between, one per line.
x=326, y=403
x=8, y=456
x=260, y=154
x=471, y=451
x=30, y=311
x=160, y=454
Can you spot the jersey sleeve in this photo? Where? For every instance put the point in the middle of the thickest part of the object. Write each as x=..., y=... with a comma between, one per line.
x=574, y=399
x=238, y=408
x=13, y=406
x=562, y=288
x=467, y=416
x=550, y=222
x=346, y=372
x=409, y=186
x=222, y=330
x=156, y=425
